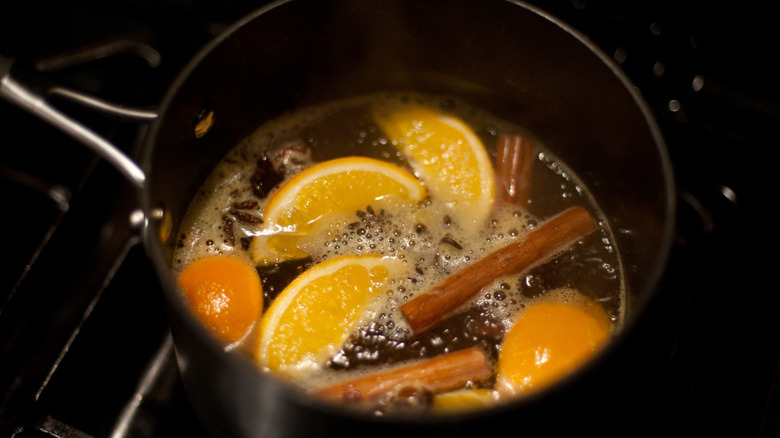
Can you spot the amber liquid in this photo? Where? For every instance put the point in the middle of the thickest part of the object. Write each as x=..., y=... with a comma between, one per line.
x=436, y=249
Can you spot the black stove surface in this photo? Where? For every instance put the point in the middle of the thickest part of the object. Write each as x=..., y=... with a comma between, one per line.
x=85, y=344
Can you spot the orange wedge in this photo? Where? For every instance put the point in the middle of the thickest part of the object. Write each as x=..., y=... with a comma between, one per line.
x=225, y=293
x=447, y=156
x=342, y=185
x=465, y=399
x=549, y=341
x=313, y=316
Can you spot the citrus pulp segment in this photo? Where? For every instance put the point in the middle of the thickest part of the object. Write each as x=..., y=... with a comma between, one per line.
x=341, y=185
x=447, y=156
x=548, y=341
x=225, y=293
x=318, y=311
x=464, y=399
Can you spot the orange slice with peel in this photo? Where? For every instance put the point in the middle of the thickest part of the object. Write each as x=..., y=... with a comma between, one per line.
x=338, y=186
x=315, y=314
x=225, y=293
x=549, y=341
x=447, y=156
x=464, y=399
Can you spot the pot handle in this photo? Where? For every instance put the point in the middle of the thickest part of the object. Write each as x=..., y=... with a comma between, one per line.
x=16, y=93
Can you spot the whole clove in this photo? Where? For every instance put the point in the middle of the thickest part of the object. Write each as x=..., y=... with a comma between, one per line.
x=245, y=217
x=245, y=205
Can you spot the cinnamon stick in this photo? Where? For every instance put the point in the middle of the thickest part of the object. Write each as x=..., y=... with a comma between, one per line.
x=563, y=229
x=513, y=169
x=438, y=374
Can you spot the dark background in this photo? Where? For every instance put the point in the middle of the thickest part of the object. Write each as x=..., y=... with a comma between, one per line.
x=82, y=329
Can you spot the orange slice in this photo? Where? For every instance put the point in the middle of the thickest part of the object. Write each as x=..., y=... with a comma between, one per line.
x=225, y=293
x=342, y=185
x=313, y=316
x=448, y=157
x=549, y=341
x=465, y=399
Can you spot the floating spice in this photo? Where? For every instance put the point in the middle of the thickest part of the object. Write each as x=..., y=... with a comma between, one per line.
x=264, y=178
x=227, y=227
x=245, y=217
x=452, y=242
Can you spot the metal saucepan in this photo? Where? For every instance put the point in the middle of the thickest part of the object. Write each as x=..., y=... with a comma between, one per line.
x=506, y=57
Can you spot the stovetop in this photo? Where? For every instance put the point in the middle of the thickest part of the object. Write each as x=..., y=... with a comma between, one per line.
x=85, y=344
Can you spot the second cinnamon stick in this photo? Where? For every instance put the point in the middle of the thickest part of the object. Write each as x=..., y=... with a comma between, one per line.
x=425, y=310
x=438, y=374
x=513, y=169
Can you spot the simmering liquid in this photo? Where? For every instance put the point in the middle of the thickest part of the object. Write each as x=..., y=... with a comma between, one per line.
x=227, y=218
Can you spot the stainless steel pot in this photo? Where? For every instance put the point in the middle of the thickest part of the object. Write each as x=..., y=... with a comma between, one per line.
x=506, y=57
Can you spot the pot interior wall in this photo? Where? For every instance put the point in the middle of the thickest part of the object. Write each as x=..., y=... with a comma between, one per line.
x=497, y=55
